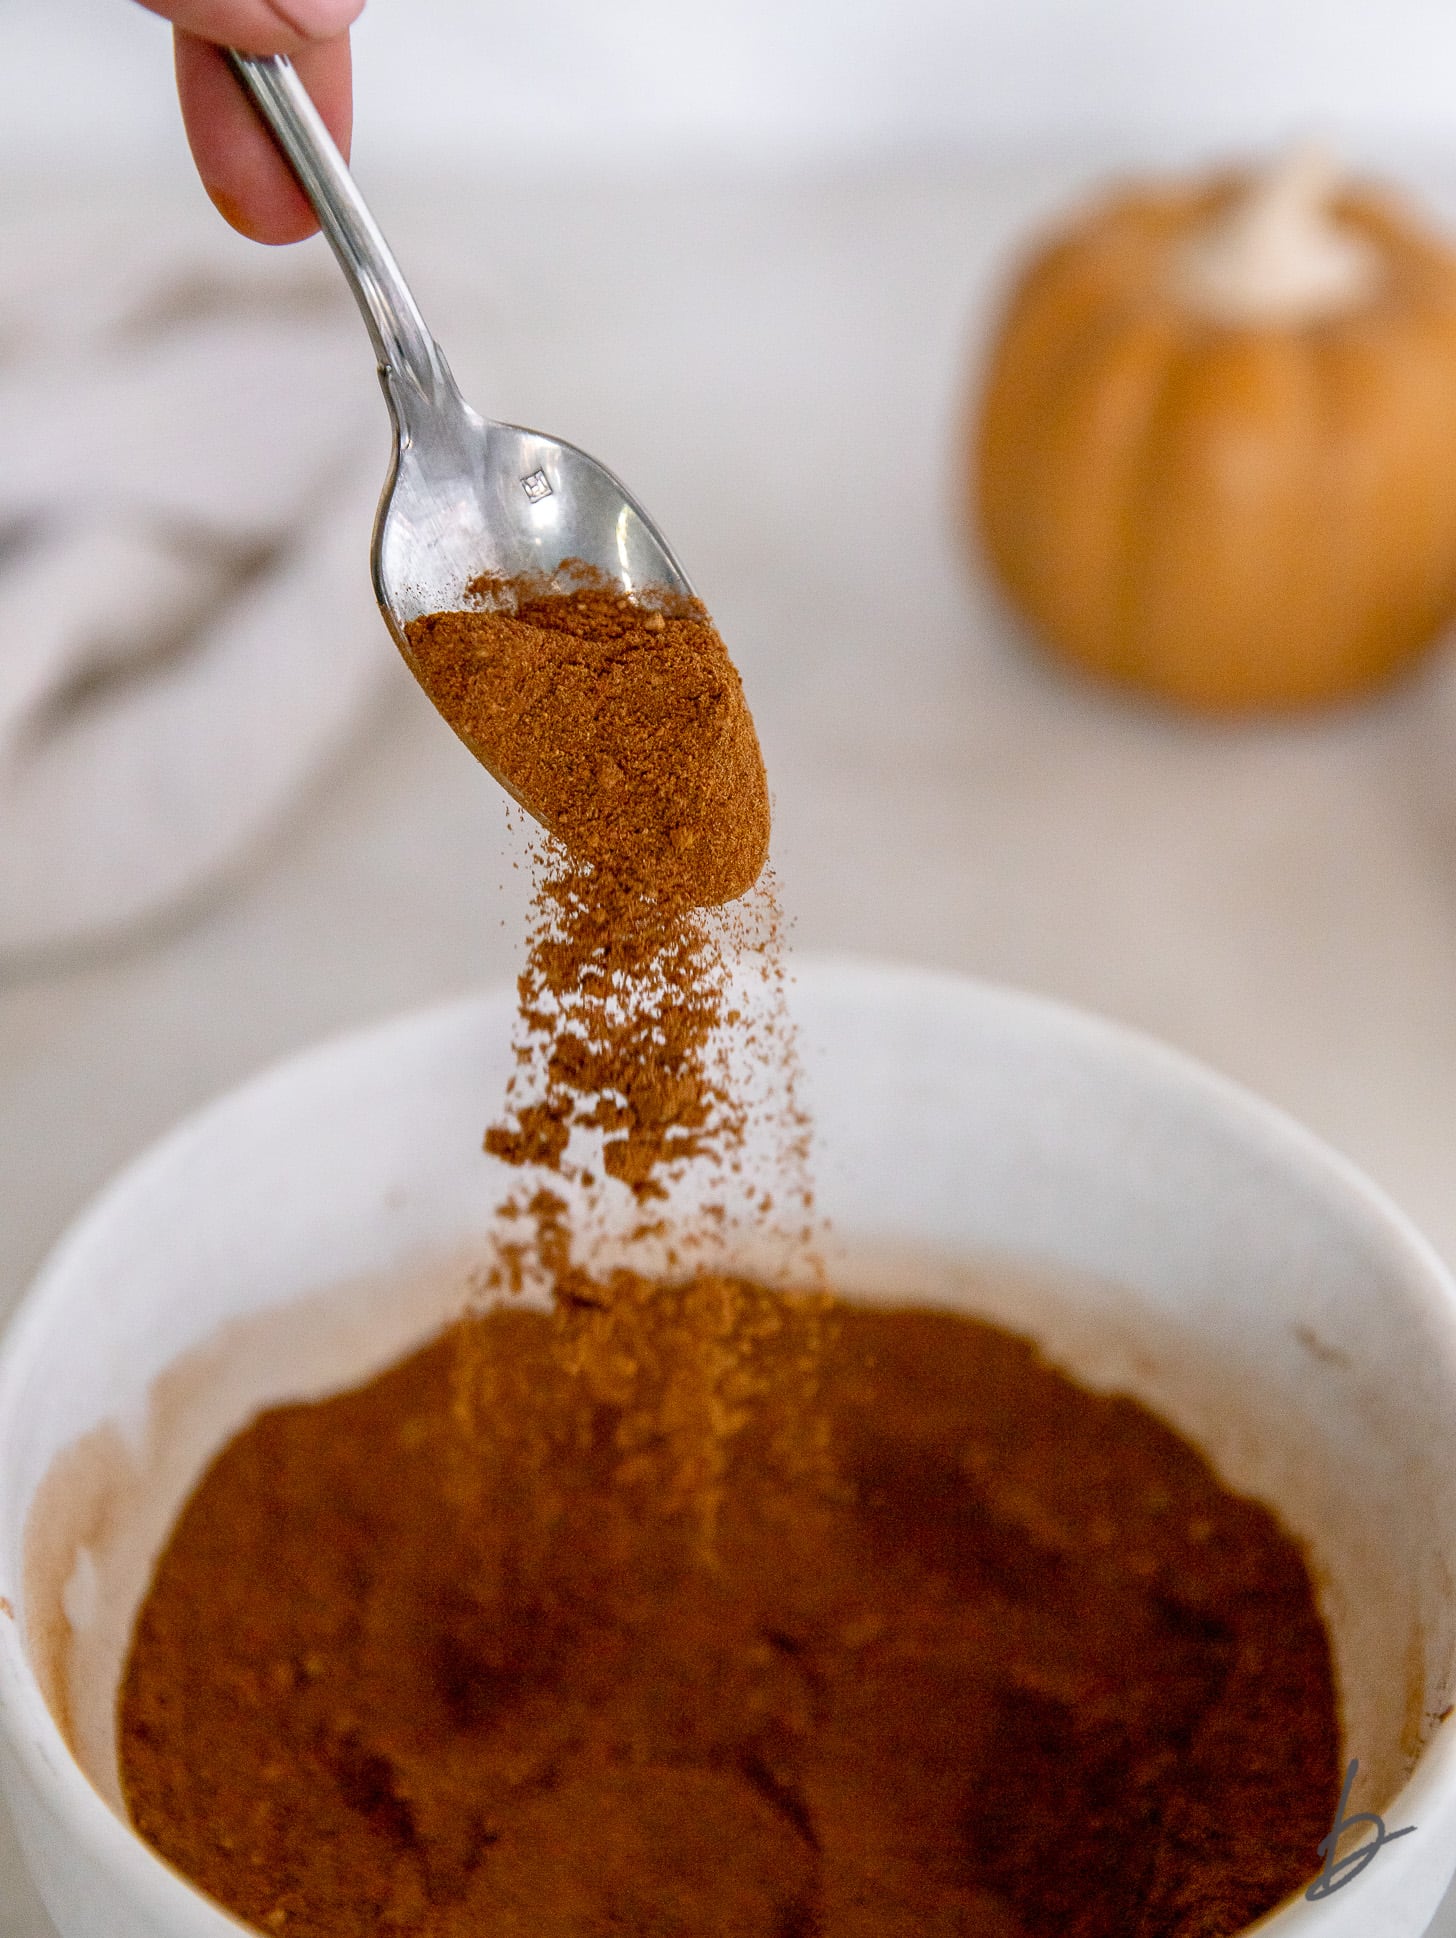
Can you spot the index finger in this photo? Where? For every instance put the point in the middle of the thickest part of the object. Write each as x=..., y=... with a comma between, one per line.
x=241, y=168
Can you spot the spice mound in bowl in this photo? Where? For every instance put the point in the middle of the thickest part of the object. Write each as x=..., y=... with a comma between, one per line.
x=958, y=1646
x=618, y=720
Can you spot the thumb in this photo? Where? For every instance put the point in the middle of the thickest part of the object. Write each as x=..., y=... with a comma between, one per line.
x=260, y=26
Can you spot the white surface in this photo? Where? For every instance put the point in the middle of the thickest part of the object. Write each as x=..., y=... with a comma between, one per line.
x=566, y=82
x=1193, y=1239
x=777, y=376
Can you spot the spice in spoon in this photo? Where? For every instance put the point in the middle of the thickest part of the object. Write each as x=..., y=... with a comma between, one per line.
x=617, y=719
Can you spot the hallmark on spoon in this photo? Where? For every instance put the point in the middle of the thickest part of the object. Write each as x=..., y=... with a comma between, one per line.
x=536, y=487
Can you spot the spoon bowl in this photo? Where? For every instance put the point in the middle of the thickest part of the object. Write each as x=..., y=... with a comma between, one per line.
x=469, y=497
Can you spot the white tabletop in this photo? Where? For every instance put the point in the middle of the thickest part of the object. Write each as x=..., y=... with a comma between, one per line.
x=778, y=367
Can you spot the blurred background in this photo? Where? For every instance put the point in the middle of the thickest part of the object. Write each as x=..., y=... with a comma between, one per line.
x=752, y=256
x=565, y=85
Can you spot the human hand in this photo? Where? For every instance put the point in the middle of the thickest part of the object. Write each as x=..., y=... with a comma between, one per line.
x=249, y=182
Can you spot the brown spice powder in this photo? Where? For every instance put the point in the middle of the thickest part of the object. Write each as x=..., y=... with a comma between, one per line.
x=618, y=721
x=1022, y=1668
x=620, y=1001
x=684, y=1366
x=621, y=723
x=693, y=1606
x=626, y=1006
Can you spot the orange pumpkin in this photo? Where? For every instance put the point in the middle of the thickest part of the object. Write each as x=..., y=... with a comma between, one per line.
x=1216, y=455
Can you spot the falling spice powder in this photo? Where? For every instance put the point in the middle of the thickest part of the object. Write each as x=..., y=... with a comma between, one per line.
x=679, y=1603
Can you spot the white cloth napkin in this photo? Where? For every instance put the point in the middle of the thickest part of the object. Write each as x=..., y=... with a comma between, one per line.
x=193, y=446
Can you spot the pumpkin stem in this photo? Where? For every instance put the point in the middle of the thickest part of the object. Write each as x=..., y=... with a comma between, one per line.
x=1278, y=254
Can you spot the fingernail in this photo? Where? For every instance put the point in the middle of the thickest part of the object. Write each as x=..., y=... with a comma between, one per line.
x=318, y=19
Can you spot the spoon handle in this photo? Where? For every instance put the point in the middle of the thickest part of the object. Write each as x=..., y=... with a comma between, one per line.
x=402, y=340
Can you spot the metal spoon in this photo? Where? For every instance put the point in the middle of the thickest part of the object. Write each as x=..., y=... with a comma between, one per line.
x=465, y=495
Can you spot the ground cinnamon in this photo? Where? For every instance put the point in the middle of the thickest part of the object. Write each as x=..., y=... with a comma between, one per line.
x=688, y=1606
x=1018, y=1666
x=620, y=721
x=629, y=1011
x=617, y=720
x=630, y=1002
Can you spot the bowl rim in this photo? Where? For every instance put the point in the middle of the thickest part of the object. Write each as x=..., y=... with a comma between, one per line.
x=32, y=1733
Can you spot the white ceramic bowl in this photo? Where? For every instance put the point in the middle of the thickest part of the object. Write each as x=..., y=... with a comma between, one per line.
x=1172, y=1236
